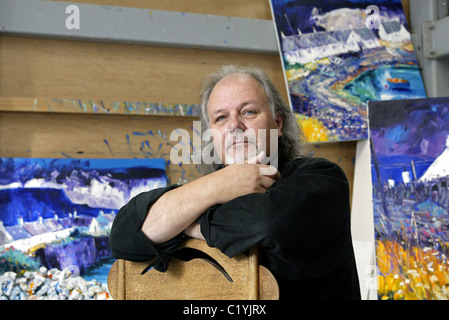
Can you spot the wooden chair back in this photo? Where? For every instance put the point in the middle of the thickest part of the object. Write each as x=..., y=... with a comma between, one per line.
x=210, y=275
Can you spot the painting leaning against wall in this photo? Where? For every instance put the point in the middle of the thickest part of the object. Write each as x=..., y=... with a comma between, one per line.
x=410, y=178
x=336, y=60
x=55, y=218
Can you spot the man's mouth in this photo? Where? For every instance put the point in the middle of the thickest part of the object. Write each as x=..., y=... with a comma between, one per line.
x=236, y=144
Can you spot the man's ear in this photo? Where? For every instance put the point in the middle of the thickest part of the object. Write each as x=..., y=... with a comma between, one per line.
x=279, y=122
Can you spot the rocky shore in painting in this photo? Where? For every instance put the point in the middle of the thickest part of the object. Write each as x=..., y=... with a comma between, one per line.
x=55, y=271
x=53, y=284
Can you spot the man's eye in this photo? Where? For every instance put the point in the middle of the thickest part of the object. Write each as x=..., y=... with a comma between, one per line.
x=249, y=112
x=219, y=118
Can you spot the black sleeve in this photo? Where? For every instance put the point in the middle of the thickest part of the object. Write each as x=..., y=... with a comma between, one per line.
x=128, y=242
x=301, y=223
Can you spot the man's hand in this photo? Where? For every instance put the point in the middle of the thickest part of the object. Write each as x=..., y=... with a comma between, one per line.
x=241, y=179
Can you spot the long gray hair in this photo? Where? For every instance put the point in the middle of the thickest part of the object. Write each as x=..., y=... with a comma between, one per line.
x=292, y=143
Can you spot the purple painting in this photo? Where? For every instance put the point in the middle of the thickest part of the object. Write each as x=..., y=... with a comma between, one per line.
x=55, y=218
x=337, y=56
x=410, y=177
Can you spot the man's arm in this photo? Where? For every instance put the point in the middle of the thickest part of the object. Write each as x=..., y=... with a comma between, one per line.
x=194, y=231
x=177, y=209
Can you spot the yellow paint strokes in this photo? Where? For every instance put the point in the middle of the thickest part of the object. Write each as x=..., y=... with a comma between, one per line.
x=313, y=129
x=296, y=74
x=408, y=272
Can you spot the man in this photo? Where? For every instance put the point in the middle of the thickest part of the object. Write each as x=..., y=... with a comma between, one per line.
x=295, y=209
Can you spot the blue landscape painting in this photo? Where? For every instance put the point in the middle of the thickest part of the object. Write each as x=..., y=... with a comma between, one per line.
x=410, y=178
x=337, y=56
x=55, y=219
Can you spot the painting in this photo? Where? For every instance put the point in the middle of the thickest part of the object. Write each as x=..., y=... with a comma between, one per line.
x=116, y=107
x=56, y=216
x=410, y=180
x=337, y=56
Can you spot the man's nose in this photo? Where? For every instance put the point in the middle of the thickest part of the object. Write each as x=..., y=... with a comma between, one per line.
x=235, y=123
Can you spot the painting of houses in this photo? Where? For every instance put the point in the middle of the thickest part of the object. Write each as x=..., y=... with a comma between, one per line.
x=55, y=219
x=334, y=64
x=303, y=48
x=410, y=181
x=393, y=31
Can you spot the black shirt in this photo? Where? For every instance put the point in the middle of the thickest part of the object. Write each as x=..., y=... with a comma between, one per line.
x=301, y=225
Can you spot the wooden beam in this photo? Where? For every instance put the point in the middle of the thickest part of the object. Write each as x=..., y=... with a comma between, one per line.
x=48, y=19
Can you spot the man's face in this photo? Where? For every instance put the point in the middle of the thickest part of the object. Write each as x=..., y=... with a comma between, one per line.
x=238, y=109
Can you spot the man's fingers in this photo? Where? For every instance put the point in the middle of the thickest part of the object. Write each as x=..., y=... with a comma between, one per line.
x=262, y=157
x=257, y=159
x=266, y=182
x=270, y=171
x=267, y=170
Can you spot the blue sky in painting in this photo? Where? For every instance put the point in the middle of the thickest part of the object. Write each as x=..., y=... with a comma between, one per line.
x=299, y=12
x=24, y=169
x=403, y=127
x=406, y=130
x=37, y=187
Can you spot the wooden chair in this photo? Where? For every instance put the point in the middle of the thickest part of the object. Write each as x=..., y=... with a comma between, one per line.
x=198, y=273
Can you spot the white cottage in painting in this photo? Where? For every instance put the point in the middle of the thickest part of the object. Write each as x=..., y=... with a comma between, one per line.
x=367, y=38
x=393, y=31
x=440, y=167
x=101, y=224
x=308, y=47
